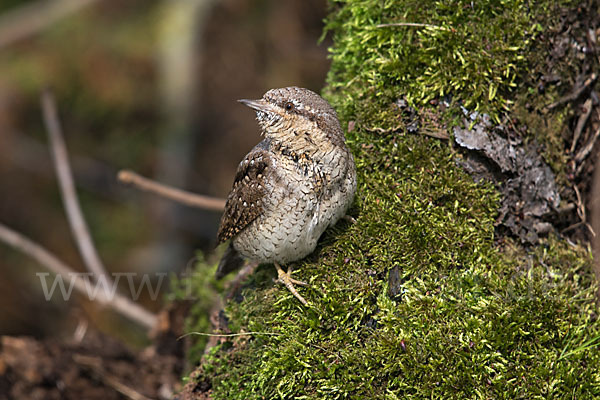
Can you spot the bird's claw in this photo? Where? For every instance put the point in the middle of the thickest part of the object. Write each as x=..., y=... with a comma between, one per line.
x=289, y=282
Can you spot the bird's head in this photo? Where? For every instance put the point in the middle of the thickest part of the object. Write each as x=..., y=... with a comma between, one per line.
x=297, y=117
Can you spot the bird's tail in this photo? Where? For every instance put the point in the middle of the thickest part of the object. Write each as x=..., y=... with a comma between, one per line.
x=231, y=261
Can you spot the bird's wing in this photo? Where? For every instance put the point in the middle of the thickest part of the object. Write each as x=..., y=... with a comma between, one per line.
x=245, y=202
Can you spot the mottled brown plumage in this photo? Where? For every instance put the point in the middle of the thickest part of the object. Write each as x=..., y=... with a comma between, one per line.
x=294, y=184
x=245, y=201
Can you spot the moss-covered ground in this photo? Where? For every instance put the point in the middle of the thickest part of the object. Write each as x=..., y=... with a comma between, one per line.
x=472, y=318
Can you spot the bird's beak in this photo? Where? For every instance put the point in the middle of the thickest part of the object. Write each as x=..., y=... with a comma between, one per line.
x=259, y=105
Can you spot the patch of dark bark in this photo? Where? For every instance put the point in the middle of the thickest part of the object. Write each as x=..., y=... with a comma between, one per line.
x=506, y=154
x=528, y=186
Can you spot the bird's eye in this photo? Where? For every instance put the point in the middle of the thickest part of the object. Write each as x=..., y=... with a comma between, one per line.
x=289, y=106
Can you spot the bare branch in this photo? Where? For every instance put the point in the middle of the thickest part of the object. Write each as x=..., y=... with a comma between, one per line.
x=583, y=153
x=119, y=303
x=587, y=110
x=78, y=225
x=31, y=18
x=178, y=195
x=574, y=94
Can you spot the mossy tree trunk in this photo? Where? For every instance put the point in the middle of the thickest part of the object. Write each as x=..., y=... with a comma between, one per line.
x=468, y=316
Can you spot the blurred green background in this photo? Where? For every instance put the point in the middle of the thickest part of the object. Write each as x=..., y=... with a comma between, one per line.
x=145, y=85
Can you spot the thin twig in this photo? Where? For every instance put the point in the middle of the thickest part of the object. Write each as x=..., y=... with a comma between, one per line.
x=81, y=330
x=413, y=24
x=119, y=303
x=78, y=225
x=566, y=208
x=581, y=211
x=587, y=110
x=571, y=227
x=228, y=334
x=583, y=153
x=575, y=93
x=590, y=229
x=397, y=128
x=436, y=134
x=235, y=284
x=24, y=21
x=580, y=205
x=178, y=195
x=32, y=155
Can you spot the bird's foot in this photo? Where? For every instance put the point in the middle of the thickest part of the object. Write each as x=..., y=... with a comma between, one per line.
x=349, y=218
x=286, y=279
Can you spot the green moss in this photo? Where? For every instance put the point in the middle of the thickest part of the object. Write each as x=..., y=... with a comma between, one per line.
x=546, y=128
x=200, y=287
x=472, y=320
x=422, y=60
x=471, y=50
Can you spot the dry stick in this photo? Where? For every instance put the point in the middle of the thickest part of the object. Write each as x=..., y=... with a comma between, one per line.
x=588, y=147
x=67, y=188
x=587, y=106
x=75, y=216
x=178, y=195
x=581, y=211
x=575, y=93
x=566, y=208
x=580, y=206
x=26, y=20
x=583, y=153
x=117, y=302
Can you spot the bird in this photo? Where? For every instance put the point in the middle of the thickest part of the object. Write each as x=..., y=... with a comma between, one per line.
x=293, y=185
